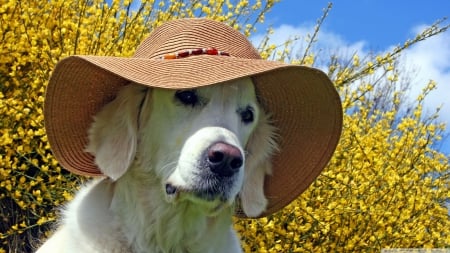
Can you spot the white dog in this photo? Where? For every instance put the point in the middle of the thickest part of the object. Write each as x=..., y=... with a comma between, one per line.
x=176, y=163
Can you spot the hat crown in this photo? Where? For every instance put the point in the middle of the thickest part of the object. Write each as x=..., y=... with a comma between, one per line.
x=185, y=34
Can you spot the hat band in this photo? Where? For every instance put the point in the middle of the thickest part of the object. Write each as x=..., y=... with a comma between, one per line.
x=189, y=52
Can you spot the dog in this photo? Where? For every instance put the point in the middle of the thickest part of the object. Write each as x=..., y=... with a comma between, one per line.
x=177, y=164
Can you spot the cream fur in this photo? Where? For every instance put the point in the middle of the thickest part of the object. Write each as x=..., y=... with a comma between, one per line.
x=144, y=140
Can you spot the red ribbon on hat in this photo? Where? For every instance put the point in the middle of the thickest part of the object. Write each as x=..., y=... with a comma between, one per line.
x=190, y=52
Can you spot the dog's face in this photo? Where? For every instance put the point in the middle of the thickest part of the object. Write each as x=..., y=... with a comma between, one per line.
x=208, y=129
x=206, y=145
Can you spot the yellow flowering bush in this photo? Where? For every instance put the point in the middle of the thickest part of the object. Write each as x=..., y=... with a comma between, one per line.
x=385, y=187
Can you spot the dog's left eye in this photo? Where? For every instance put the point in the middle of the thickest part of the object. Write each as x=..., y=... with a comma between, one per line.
x=247, y=114
x=187, y=97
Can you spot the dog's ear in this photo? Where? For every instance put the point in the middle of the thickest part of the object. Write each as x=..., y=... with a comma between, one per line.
x=113, y=134
x=260, y=148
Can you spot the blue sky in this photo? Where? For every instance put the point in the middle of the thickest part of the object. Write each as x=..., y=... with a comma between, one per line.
x=365, y=26
x=380, y=22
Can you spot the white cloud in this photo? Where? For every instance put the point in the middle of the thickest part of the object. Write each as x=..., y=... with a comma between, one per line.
x=327, y=42
x=431, y=60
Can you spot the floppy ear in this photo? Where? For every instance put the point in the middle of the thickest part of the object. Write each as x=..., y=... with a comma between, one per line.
x=113, y=134
x=260, y=148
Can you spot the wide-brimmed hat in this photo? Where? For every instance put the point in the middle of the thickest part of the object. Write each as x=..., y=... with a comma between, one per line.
x=190, y=53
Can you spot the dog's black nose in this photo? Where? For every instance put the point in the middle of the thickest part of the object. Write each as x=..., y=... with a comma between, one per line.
x=224, y=159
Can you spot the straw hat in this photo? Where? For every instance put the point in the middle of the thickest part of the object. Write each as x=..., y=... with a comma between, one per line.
x=305, y=106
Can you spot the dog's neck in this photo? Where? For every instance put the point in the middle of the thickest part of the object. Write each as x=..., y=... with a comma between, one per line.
x=156, y=225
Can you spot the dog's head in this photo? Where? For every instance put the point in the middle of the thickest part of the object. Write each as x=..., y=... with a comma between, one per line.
x=206, y=145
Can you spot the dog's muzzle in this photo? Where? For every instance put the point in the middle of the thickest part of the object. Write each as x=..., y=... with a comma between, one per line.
x=216, y=175
x=208, y=170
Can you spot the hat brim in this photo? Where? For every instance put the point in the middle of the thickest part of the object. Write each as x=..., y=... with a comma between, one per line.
x=303, y=102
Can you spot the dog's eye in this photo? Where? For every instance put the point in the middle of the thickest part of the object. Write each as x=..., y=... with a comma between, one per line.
x=187, y=97
x=247, y=115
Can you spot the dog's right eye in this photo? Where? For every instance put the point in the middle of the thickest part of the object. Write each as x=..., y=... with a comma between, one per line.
x=187, y=97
